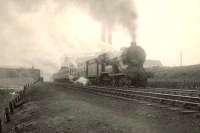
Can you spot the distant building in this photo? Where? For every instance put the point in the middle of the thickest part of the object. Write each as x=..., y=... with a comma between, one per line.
x=18, y=76
x=152, y=63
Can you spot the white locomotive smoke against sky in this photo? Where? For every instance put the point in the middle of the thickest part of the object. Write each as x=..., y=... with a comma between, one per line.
x=40, y=32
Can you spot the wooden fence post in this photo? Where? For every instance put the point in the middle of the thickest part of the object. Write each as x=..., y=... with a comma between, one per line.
x=1, y=128
x=13, y=103
x=7, y=117
x=11, y=107
x=17, y=98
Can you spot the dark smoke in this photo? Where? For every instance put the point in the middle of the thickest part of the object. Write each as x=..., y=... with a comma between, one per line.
x=110, y=12
x=114, y=12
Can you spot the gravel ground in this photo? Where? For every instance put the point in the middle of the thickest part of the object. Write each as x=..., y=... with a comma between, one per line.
x=57, y=108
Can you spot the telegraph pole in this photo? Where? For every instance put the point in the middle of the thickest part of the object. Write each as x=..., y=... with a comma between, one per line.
x=181, y=58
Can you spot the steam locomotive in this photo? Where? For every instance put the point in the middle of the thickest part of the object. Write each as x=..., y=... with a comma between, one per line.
x=126, y=69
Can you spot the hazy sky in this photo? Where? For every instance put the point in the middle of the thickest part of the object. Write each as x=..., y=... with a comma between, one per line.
x=41, y=33
x=167, y=27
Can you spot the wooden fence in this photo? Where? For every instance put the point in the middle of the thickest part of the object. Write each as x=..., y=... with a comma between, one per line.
x=13, y=104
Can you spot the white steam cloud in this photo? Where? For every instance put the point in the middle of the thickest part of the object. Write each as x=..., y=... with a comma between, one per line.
x=35, y=33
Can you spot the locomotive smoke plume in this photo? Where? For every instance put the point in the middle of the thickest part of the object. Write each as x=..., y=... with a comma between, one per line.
x=110, y=12
x=115, y=12
x=34, y=33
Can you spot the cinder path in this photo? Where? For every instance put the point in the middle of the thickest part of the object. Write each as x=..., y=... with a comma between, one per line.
x=56, y=108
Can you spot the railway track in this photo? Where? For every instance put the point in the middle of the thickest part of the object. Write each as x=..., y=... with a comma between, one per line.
x=184, y=92
x=172, y=98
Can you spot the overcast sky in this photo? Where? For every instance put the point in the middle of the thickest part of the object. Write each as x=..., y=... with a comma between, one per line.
x=167, y=27
x=39, y=33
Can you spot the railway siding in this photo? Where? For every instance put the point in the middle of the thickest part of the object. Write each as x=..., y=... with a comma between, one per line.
x=167, y=97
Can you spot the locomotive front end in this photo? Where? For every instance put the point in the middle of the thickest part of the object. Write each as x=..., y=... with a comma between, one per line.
x=134, y=57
